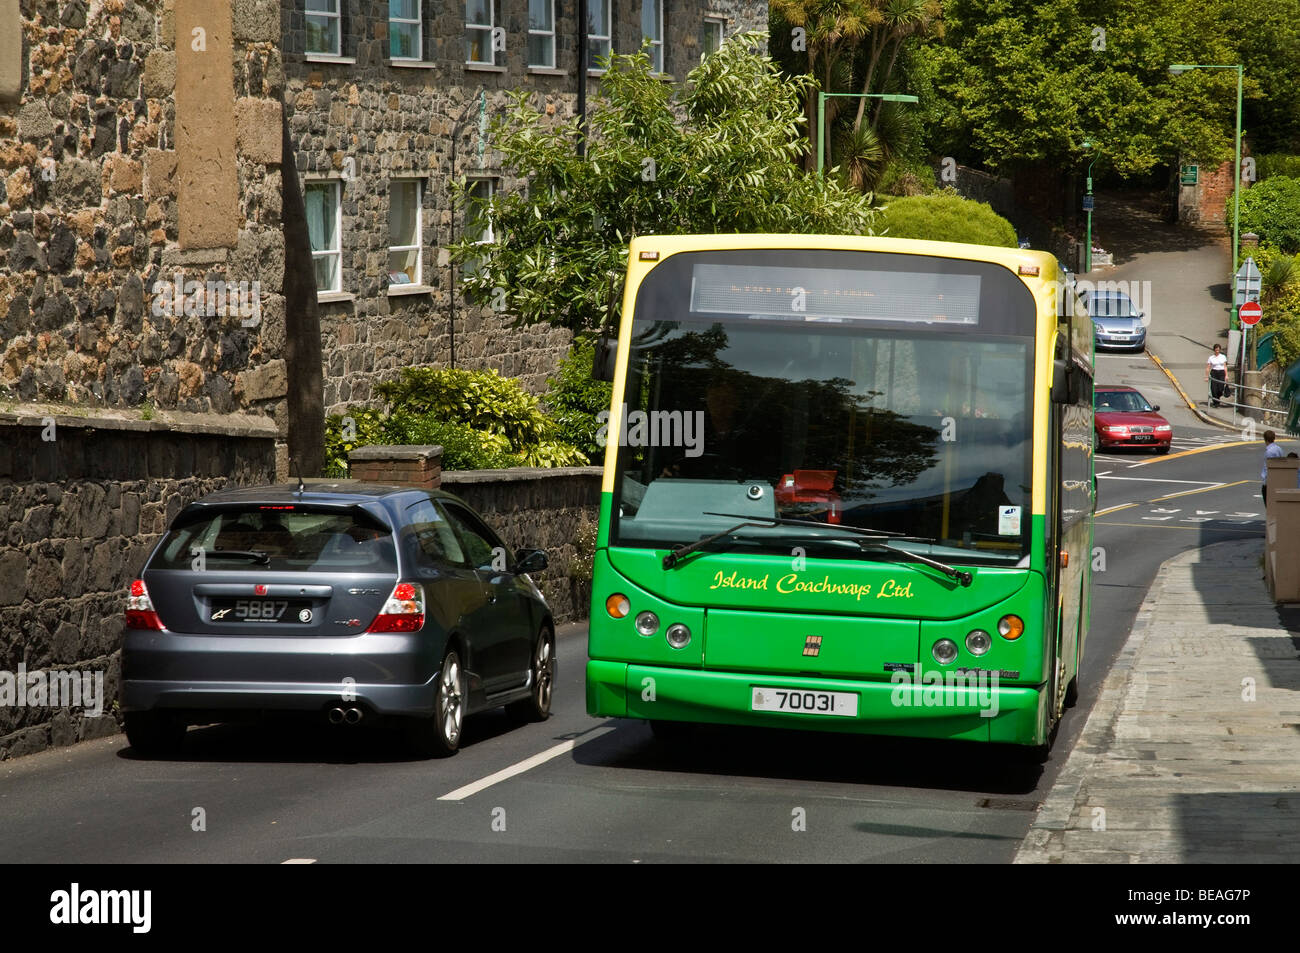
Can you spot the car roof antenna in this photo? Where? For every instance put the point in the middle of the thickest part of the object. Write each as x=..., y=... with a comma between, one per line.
x=293, y=469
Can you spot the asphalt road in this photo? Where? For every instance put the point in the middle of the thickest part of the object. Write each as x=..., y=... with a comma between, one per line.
x=609, y=792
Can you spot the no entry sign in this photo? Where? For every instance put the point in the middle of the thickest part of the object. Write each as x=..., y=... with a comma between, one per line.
x=1250, y=313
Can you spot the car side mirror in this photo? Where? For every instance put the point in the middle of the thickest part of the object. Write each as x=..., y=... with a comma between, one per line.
x=1155, y=407
x=604, y=358
x=531, y=560
x=1060, y=382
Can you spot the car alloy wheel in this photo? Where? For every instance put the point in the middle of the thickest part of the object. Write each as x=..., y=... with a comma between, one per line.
x=451, y=701
x=537, y=707
x=438, y=735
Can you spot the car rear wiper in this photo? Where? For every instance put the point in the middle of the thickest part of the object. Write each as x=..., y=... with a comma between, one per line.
x=257, y=557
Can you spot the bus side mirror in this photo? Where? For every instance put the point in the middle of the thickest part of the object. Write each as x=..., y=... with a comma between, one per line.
x=604, y=359
x=1061, y=382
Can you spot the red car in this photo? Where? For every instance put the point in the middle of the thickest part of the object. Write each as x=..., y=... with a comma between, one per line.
x=1125, y=419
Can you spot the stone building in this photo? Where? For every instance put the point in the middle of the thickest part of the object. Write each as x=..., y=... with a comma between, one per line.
x=160, y=331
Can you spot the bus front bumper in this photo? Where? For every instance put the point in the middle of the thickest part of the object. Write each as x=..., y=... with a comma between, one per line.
x=983, y=712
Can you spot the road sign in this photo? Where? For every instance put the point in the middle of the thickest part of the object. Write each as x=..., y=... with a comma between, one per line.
x=1250, y=313
x=1187, y=175
x=1247, y=282
x=1088, y=203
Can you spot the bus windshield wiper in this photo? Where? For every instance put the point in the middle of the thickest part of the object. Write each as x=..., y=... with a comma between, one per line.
x=856, y=530
x=671, y=559
x=872, y=537
x=257, y=557
x=961, y=575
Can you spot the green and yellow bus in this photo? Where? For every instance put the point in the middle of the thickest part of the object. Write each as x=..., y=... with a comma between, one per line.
x=848, y=487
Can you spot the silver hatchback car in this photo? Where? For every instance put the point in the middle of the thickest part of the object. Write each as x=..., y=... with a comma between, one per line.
x=1117, y=323
x=343, y=603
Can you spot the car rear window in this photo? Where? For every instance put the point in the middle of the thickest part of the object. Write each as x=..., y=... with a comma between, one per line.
x=278, y=538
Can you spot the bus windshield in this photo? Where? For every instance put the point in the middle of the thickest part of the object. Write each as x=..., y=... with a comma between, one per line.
x=891, y=398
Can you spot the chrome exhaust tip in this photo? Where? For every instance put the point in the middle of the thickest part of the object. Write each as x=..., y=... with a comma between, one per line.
x=336, y=716
x=352, y=716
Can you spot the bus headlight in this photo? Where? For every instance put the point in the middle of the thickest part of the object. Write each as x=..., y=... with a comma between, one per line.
x=618, y=606
x=1011, y=627
x=647, y=623
x=678, y=635
x=944, y=651
x=978, y=641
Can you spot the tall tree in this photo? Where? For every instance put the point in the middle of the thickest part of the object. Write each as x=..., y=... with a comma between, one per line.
x=718, y=156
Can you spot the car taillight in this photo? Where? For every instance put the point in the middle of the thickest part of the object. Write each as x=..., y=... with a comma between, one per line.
x=140, y=612
x=403, y=612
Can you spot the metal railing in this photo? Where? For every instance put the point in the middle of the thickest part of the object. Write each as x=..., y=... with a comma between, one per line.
x=1233, y=389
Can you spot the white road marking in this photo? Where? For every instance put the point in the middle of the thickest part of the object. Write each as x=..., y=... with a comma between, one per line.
x=298, y=860
x=1150, y=480
x=526, y=765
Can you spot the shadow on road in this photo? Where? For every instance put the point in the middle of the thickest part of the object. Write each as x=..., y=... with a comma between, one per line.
x=724, y=750
x=297, y=742
x=1128, y=223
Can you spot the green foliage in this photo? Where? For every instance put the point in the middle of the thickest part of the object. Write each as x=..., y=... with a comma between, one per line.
x=1277, y=163
x=717, y=156
x=575, y=400
x=947, y=217
x=480, y=419
x=1271, y=209
x=359, y=427
x=1019, y=82
x=903, y=177
x=484, y=400
x=1281, y=301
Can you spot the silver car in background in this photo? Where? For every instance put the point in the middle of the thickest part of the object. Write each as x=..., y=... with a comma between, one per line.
x=1117, y=323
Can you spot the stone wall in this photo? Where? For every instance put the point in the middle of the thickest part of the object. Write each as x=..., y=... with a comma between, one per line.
x=92, y=232
x=555, y=510
x=84, y=501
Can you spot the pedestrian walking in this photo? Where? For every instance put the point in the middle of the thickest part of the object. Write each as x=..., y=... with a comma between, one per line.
x=1216, y=372
x=1271, y=452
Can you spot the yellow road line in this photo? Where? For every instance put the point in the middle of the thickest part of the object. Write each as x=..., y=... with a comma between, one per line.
x=1115, y=509
x=1221, y=486
x=1188, y=453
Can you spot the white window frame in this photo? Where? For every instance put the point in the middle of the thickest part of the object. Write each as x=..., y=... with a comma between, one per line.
x=546, y=33
x=418, y=22
x=656, y=42
x=491, y=183
x=607, y=38
x=337, y=16
x=418, y=246
x=491, y=30
x=712, y=20
x=337, y=186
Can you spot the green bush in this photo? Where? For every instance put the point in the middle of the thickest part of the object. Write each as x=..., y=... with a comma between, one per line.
x=1271, y=209
x=906, y=178
x=575, y=400
x=480, y=419
x=483, y=399
x=1277, y=163
x=1281, y=306
x=946, y=217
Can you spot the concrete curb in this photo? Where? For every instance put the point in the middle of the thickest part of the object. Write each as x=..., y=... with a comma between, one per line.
x=1191, y=404
x=1054, y=813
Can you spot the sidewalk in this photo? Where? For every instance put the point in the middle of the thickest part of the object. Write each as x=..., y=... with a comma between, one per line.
x=1175, y=765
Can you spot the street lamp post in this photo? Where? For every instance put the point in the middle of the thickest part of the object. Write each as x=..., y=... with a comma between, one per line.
x=1087, y=248
x=821, y=115
x=1175, y=70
